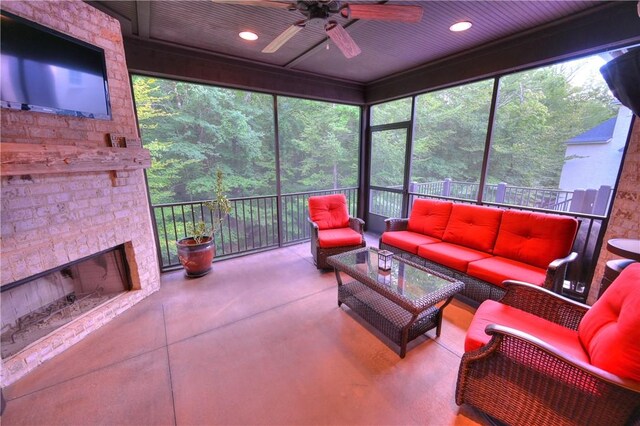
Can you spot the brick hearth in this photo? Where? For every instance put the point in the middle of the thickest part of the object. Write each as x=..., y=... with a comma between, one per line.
x=52, y=219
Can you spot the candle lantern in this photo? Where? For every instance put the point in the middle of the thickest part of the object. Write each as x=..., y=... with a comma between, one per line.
x=384, y=260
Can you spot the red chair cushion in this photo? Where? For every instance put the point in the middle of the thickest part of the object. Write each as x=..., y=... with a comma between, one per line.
x=535, y=238
x=471, y=226
x=450, y=255
x=407, y=240
x=329, y=211
x=492, y=312
x=610, y=331
x=429, y=217
x=496, y=269
x=339, y=237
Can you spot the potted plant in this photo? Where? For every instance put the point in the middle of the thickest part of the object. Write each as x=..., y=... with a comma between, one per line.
x=196, y=252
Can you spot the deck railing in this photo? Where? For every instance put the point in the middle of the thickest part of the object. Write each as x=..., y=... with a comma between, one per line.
x=254, y=224
x=589, y=201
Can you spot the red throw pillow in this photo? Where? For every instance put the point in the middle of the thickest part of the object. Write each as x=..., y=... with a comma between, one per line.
x=610, y=331
x=472, y=226
x=329, y=211
x=535, y=238
x=429, y=217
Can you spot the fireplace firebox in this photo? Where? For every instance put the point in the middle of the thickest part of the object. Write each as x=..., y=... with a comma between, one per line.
x=36, y=306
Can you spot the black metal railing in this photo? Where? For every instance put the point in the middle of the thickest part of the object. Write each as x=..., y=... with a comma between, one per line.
x=589, y=201
x=251, y=226
x=385, y=201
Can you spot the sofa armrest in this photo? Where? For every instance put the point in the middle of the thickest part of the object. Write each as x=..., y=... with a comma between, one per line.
x=356, y=224
x=544, y=303
x=396, y=224
x=556, y=272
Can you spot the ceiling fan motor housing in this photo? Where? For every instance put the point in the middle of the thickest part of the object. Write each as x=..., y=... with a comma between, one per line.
x=318, y=12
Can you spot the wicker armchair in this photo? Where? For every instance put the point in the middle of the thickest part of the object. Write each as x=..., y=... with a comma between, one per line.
x=332, y=230
x=519, y=379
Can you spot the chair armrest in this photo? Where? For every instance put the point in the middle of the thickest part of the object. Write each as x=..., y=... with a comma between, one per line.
x=396, y=224
x=544, y=303
x=556, y=272
x=313, y=228
x=356, y=224
x=519, y=379
x=528, y=345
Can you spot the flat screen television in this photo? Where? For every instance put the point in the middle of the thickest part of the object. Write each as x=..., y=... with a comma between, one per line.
x=46, y=71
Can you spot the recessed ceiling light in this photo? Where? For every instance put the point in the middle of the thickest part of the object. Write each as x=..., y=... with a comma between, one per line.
x=248, y=35
x=460, y=26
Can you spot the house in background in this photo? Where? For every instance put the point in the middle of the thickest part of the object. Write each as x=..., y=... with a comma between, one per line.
x=592, y=158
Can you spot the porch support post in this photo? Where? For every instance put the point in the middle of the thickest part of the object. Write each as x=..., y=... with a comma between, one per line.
x=487, y=142
x=276, y=135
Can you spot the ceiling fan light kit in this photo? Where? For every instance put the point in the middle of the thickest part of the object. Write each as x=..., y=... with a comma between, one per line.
x=320, y=12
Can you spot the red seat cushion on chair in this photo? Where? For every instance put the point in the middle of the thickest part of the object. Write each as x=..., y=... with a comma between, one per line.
x=450, y=255
x=492, y=312
x=610, y=331
x=497, y=269
x=328, y=238
x=329, y=211
x=475, y=227
x=429, y=217
x=534, y=238
x=407, y=240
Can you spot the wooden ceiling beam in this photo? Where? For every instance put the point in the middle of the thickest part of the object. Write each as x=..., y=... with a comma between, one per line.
x=143, y=11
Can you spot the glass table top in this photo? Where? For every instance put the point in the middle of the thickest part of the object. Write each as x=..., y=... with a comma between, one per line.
x=405, y=279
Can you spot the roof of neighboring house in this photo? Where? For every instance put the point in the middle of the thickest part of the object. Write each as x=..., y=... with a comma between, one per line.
x=599, y=134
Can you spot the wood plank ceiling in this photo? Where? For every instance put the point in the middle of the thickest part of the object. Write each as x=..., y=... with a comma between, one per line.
x=388, y=48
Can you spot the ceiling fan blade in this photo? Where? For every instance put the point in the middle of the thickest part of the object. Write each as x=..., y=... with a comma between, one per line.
x=263, y=3
x=282, y=38
x=383, y=12
x=342, y=39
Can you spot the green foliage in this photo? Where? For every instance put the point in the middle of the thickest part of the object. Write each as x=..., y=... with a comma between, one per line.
x=219, y=207
x=319, y=145
x=192, y=129
x=537, y=112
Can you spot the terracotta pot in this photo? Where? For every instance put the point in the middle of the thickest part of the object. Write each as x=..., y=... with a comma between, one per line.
x=196, y=258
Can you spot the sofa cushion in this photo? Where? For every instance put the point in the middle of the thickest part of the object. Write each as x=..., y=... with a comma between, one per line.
x=407, y=240
x=471, y=226
x=497, y=269
x=610, y=330
x=492, y=312
x=429, y=217
x=450, y=255
x=338, y=237
x=535, y=238
x=329, y=211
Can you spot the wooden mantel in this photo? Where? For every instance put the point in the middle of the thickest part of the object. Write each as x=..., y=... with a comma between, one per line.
x=29, y=159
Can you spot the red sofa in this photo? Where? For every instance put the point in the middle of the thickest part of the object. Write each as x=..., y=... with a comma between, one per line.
x=484, y=246
x=539, y=358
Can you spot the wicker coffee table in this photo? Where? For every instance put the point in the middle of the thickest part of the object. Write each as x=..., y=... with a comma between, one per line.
x=401, y=304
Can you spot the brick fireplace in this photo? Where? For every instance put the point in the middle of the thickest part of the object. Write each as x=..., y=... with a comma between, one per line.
x=51, y=219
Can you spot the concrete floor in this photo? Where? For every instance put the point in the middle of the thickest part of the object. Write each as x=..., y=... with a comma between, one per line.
x=260, y=340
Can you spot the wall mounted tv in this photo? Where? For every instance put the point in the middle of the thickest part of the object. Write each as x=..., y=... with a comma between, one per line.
x=46, y=71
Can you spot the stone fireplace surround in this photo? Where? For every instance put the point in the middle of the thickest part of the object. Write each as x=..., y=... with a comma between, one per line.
x=50, y=219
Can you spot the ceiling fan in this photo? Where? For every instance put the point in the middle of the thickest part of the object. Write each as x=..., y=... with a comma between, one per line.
x=320, y=12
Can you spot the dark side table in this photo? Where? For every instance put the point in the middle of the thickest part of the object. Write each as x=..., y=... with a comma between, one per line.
x=624, y=247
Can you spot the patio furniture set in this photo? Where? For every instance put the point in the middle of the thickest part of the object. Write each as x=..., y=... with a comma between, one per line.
x=531, y=355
